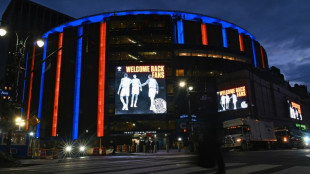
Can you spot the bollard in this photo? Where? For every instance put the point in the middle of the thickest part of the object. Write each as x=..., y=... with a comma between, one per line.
x=29, y=152
x=137, y=148
x=103, y=150
x=167, y=147
x=144, y=148
x=43, y=154
x=96, y=151
x=132, y=148
x=55, y=153
x=124, y=148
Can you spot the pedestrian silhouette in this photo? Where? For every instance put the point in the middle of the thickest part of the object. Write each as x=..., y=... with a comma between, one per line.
x=209, y=150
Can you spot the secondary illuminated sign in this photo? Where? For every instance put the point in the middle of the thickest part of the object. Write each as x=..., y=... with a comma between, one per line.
x=232, y=99
x=295, y=110
x=140, y=90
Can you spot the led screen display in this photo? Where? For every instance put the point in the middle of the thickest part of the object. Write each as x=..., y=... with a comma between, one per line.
x=295, y=110
x=140, y=90
x=232, y=99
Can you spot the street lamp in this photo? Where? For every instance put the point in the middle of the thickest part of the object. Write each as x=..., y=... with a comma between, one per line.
x=2, y=32
x=190, y=88
x=19, y=122
x=15, y=104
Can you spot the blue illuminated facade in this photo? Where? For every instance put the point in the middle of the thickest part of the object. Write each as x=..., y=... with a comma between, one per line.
x=77, y=84
x=182, y=47
x=41, y=88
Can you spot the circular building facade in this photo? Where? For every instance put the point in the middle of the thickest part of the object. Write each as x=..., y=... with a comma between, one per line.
x=118, y=73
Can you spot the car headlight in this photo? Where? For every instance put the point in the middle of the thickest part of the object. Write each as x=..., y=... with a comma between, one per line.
x=82, y=148
x=68, y=148
x=306, y=139
x=238, y=140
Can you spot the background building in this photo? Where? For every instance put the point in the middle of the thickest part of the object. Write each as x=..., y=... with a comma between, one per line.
x=25, y=22
x=80, y=92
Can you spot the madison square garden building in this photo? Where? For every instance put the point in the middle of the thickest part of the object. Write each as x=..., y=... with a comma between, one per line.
x=117, y=74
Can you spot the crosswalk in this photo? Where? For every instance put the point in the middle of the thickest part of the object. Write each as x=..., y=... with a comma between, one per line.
x=145, y=165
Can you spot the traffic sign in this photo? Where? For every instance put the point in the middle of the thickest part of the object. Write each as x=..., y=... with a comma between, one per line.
x=4, y=93
x=34, y=120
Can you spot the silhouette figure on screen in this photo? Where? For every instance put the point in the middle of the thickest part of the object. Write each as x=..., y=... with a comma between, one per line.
x=234, y=99
x=227, y=100
x=135, y=90
x=153, y=90
x=223, y=102
x=124, y=85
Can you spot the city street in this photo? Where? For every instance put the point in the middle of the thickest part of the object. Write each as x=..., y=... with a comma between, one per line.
x=275, y=162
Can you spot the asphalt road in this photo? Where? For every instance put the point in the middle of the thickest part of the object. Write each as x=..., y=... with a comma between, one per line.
x=255, y=162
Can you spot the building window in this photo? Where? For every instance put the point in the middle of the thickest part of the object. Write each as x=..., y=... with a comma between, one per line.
x=179, y=72
x=170, y=89
x=184, y=54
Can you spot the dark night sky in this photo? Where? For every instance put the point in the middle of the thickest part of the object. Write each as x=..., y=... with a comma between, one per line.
x=281, y=26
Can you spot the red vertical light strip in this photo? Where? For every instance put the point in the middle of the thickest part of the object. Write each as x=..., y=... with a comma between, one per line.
x=101, y=80
x=204, y=34
x=241, y=42
x=30, y=85
x=262, y=55
x=57, y=82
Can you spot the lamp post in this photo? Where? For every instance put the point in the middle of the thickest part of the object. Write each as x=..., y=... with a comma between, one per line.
x=189, y=88
x=15, y=104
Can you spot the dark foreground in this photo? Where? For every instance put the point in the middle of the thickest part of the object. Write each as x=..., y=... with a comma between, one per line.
x=256, y=162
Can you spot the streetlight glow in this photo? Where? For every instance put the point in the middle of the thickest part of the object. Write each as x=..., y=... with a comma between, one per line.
x=182, y=84
x=19, y=121
x=40, y=43
x=2, y=32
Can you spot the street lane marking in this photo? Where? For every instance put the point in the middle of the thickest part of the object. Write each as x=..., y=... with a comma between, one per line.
x=296, y=169
x=250, y=169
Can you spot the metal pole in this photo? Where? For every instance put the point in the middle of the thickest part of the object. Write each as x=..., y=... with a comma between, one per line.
x=190, y=121
x=19, y=55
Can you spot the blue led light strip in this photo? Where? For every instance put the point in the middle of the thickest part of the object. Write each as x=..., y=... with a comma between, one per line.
x=254, y=53
x=76, y=101
x=180, y=32
x=41, y=88
x=224, y=37
x=185, y=16
x=23, y=98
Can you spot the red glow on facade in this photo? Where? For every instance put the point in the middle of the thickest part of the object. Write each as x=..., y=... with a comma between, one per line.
x=57, y=82
x=204, y=34
x=241, y=42
x=30, y=85
x=262, y=55
x=101, y=80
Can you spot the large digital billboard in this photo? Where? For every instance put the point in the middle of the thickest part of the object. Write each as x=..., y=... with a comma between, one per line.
x=232, y=99
x=295, y=110
x=140, y=90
